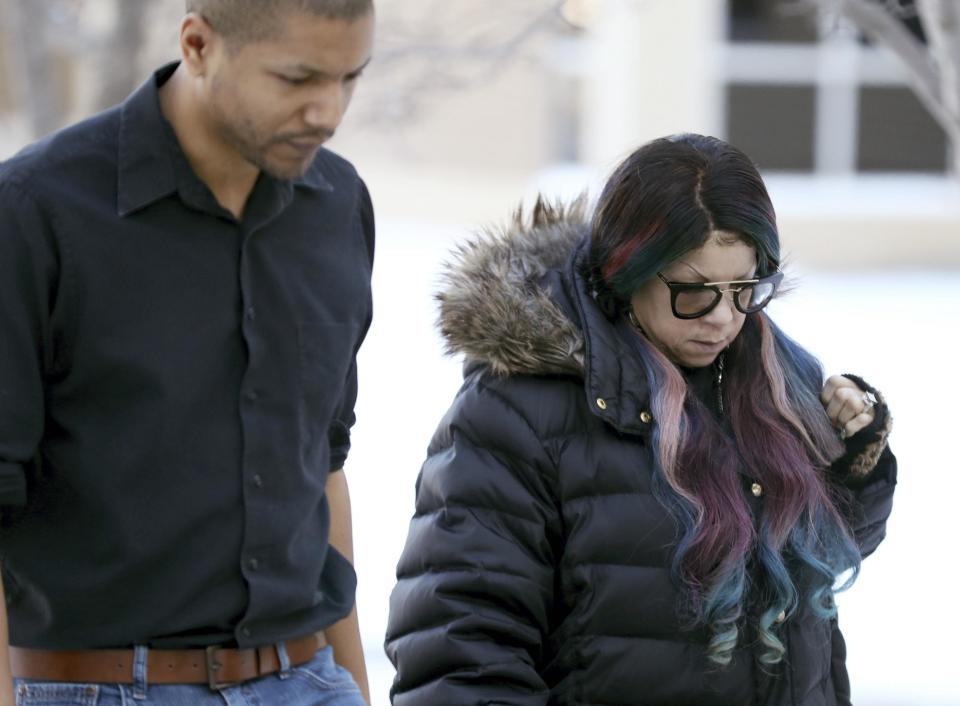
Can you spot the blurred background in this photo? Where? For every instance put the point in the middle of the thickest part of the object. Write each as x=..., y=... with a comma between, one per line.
x=851, y=108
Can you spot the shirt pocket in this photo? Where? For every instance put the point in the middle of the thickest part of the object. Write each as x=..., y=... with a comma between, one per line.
x=326, y=353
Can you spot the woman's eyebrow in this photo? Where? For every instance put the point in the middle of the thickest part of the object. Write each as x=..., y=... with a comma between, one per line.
x=695, y=271
x=749, y=274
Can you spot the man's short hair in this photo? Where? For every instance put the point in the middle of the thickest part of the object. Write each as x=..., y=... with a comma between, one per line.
x=242, y=21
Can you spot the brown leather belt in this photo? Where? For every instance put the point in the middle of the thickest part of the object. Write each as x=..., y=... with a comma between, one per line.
x=217, y=667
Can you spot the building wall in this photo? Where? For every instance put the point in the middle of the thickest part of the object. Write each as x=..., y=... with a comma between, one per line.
x=465, y=146
x=645, y=68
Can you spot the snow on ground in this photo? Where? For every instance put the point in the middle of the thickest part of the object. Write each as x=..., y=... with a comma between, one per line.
x=896, y=328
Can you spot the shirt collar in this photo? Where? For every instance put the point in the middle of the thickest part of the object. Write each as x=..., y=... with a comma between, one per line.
x=149, y=153
x=314, y=178
x=145, y=167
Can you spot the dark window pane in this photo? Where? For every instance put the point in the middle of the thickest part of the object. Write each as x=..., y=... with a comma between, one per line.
x=765, y=21
x=773, y=124
x=897, y=134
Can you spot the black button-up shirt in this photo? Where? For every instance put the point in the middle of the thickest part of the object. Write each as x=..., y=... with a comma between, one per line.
x=175, y=387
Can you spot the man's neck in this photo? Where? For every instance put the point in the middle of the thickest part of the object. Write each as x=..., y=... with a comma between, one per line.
x=226, y=173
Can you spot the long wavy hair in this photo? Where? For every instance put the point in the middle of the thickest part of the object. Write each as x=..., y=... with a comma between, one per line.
x=665, y=200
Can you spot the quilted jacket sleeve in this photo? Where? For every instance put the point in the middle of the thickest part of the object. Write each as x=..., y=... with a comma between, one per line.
x=475, y=580
x=867, y=476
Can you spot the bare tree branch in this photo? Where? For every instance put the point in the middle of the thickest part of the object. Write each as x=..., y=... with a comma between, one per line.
x=120, y=51
x=941, y=24
x=933, y=72
x=34, y=73
x=446, y=47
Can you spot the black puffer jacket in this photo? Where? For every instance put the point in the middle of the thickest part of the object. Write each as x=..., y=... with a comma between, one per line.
x=536, y=566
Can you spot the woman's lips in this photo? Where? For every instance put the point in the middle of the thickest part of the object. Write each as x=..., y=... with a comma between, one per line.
x=709, y=346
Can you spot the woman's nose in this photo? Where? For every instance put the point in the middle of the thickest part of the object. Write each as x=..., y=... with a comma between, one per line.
x=725, y=310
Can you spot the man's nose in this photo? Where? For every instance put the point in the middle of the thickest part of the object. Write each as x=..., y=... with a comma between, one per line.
x=326, y=107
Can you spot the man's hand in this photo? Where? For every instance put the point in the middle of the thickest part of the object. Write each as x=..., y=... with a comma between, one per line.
x=6, y=680
x=344, y=636
x=849, y=408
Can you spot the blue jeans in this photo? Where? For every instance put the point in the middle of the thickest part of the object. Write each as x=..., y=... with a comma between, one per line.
x=319, y=682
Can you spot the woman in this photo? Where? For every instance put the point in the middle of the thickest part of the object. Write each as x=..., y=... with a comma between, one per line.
x=644, y=492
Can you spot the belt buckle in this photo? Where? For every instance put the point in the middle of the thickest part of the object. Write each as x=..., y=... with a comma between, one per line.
x=213, y=666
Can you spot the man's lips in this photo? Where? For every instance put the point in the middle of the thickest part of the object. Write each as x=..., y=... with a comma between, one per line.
x=304, y=145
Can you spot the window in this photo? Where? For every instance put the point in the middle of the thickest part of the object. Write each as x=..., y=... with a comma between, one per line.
x=806, y=95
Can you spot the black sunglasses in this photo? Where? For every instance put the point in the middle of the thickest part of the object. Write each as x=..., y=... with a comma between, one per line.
x=692, y=300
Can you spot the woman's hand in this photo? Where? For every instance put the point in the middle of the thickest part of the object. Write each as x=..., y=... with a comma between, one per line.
x=849, y=408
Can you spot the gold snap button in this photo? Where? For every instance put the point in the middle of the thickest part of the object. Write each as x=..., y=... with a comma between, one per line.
x=782, y=616
x=645, y=417
x=601, y=403
x=756, y=489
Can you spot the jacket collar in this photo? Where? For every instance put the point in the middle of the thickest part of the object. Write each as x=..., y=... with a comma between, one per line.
x=615, y=381
x=517, y=299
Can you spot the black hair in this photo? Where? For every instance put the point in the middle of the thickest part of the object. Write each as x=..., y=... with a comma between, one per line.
x=243, y=21
x=665, y=200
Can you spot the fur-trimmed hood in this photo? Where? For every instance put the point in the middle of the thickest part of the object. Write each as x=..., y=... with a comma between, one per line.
x=494, y=308
x=514, y=300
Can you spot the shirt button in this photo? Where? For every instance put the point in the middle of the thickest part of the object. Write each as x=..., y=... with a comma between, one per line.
x=645, y=417
x=601, y=403
x=251, y=313
x=257, y=481
x=245, y=630
x=782, y=616
x=253, y=563
x=251, y=395
x=756, y=489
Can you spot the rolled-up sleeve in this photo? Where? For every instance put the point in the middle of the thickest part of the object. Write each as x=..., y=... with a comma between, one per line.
x=345, y=417
x=339, y=432
x=28, y=274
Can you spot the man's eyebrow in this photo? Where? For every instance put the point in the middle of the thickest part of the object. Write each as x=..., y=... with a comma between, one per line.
x=362, y=66
x=313, y=71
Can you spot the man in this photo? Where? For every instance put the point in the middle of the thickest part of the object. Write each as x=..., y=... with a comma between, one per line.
x=184, y=284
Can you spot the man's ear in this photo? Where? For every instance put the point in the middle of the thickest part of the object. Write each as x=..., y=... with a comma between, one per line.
x=197, y=40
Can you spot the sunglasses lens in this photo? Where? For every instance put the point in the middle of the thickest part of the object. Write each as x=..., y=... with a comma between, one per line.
x=695, y=301
x=756, y=296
